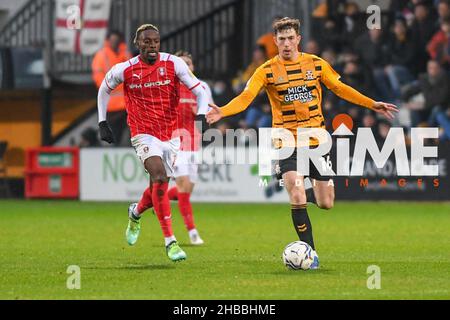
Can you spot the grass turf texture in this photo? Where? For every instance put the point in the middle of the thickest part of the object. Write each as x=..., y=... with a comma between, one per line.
x=241, y=259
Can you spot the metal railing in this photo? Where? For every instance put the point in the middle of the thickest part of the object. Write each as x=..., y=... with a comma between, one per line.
x=29, y=26
x=215, y=40
x=183, y=20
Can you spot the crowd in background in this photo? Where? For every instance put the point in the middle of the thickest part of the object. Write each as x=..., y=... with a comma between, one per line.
x=406, y=62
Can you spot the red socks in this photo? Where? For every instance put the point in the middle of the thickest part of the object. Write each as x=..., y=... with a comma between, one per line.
x=145, y=202
x=185, y=206
x=158, y=197
x=173, y=193
x=162, y=207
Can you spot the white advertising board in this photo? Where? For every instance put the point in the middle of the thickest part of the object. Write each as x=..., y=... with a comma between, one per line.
x=116, y=174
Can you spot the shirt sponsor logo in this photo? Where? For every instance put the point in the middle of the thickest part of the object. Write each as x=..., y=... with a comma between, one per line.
x=150, y=84
x=299, y=93
x=185, y=100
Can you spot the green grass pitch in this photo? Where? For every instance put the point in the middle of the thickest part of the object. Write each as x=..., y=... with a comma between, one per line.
x=241, y=259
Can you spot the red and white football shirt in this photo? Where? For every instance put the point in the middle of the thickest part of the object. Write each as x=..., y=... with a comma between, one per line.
x=152, y=93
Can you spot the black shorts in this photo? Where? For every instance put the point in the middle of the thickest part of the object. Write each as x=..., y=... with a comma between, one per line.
x=290, y=164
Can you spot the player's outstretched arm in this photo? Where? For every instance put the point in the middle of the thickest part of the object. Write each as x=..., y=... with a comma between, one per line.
x=348, y=93
x=331, y=79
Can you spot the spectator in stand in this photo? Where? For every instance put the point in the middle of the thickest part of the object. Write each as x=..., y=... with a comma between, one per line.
x=328, y=33
x=374, y=53
x=443, y=10
x=312, y=47
x=329, y=54
x=321, y=10
x=258, y=58
x=399, y=5
x=222, y=93
x=114, y=51
x=353, y=23
x=439, y=46
x=443, y=120
x=434, y=86
x=223, y=126
x=369, y=120
x=422, y=30
x=354, y=76
x=266, y=41
x=258, y=114
x=383, y=130
x=401, y=61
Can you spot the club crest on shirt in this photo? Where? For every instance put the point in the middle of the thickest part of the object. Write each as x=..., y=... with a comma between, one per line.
x=162, y=71
x=309, y=75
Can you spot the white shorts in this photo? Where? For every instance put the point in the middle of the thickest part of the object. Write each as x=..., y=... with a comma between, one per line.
x=186, y=164
x=147, y=146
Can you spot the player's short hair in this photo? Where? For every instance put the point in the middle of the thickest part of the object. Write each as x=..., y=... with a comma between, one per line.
x=183, y=53
x=285, y=24
x=144, y=27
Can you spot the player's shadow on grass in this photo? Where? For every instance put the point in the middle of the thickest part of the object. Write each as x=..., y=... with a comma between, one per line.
x=136, y=267
x=296, y=273
x=147, y=267
x=184, y=244
x=190, y=245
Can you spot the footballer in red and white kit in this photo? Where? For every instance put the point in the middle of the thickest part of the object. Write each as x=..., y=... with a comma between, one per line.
x=152, y=82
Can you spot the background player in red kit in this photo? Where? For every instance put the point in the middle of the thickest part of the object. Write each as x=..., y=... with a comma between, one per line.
x=152, y=83
x=186, y=163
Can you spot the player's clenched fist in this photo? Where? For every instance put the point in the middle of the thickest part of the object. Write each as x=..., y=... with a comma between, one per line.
x=106, y=133
x=214, y=114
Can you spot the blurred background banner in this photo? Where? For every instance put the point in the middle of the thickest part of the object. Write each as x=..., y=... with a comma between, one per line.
x=81, y=25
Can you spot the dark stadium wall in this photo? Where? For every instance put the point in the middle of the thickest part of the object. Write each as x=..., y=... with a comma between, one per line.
x=20, y=122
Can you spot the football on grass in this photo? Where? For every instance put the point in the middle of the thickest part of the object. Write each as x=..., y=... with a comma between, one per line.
x=298, y=255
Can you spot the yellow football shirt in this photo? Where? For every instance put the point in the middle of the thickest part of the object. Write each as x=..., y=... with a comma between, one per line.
x=294, y=91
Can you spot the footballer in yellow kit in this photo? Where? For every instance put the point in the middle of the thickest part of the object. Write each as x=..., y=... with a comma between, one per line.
x=292, y=82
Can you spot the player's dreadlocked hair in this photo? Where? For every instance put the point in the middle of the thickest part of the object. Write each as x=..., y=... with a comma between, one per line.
x=183, y=53
x=143, y=28
x=286, y=23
